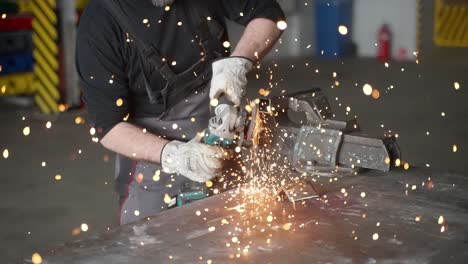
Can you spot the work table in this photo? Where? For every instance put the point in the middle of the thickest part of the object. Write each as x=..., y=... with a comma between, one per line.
x=413, y=216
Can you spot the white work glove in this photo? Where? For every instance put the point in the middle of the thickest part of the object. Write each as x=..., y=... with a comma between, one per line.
x=230, y=78
x=196, y=161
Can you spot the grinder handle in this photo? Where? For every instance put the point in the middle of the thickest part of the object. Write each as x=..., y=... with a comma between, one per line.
x=210, y=137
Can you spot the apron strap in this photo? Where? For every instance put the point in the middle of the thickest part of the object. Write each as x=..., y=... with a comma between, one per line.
x=145, y=48
x=198, y=23
x=183, y=84
x=130, y=26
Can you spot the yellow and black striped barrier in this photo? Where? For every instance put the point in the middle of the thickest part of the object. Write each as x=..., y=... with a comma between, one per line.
x=52, y=81
x=451, y=23
x=24, y=6
x=46, y=55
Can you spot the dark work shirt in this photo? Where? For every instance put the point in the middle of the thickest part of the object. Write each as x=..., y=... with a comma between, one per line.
x=104, y=57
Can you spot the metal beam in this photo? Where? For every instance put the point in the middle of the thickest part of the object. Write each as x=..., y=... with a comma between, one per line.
x=68, y=36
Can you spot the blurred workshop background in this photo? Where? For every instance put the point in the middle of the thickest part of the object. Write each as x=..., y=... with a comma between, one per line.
x=56, y=181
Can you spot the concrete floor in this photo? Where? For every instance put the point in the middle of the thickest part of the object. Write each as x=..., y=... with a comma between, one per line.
x=38, y=212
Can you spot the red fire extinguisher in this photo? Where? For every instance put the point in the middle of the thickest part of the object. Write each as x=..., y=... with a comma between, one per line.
x=384, y=43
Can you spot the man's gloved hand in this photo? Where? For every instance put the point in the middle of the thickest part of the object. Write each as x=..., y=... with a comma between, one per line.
x=196, y=161
x=230, y=78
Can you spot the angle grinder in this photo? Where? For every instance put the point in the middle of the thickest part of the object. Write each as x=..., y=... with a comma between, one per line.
x=227, y=133
x=229, y=128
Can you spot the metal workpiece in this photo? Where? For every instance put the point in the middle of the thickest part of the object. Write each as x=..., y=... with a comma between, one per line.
x=317, y=148
x=310, y=108
x=313, y=142
x=414, y=216
x=313, y=149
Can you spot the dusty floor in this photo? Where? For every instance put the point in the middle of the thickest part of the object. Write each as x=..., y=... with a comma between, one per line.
x=38, y=212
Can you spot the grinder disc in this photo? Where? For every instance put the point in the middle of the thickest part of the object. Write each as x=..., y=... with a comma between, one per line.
x=250, y=125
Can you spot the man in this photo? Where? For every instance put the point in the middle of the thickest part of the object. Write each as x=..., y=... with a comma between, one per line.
x=148, y=70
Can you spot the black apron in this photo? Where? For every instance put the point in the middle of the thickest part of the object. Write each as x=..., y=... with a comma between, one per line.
x=184, y=104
